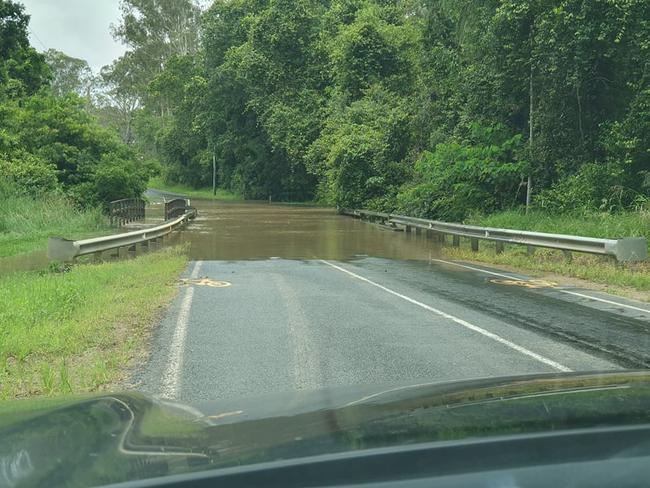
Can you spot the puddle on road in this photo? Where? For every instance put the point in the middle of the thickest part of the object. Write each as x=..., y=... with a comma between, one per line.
x=24, y=262
x=239, y=231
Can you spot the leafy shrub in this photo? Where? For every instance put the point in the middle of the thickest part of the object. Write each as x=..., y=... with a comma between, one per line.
x=482, y=174
x=363, y=150
x=48, y=143
x=112, y=179
x=595, y=186
x=28, y=174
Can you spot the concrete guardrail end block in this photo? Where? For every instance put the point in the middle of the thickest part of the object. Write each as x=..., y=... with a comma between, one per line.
x=59, y=249
x=632, y=249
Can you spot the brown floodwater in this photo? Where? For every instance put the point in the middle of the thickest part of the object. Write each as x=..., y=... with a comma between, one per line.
x=235, y=231
x=254, y=230
x=24, y=262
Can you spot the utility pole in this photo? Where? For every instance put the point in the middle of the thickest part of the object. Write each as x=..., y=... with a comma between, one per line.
x=530, y=144
x=214, y=173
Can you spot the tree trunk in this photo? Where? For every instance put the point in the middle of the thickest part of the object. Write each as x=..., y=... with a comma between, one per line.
x=529, y=186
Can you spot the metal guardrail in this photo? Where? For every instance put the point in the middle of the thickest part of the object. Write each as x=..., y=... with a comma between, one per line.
x=624, y=249
x=125, y=211
x=59, y=249
x=176, y=207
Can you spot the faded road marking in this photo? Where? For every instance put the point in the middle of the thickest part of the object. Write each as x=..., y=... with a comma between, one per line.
x=171, y=378
x=467, y=325
x=524, y=283
x=568, y=292
x=206, y=282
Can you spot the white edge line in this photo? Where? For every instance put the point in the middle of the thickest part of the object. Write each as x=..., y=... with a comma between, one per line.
x=467, y=325
x=611, y=302
x=606, y=301
x=171, y=377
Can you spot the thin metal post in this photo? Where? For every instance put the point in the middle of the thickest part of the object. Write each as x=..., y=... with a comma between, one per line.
x=456, y=241
x=499, y=247
x=474, y=243
x=214, y=173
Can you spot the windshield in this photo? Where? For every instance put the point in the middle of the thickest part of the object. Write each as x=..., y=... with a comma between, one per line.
x=204, y=203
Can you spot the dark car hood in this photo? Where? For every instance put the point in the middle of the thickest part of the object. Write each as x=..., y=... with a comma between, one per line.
x=111, y=438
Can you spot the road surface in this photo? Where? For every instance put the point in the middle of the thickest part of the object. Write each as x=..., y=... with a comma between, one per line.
x=242, y=328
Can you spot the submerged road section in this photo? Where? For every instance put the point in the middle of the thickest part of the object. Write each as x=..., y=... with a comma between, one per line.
x=322, y=314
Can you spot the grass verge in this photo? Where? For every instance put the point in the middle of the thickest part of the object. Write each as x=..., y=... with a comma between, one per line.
x=623, y=279
x=81, y=330
x=631, y=280
x=26, y=222
x=205, y=193
x=588, y=224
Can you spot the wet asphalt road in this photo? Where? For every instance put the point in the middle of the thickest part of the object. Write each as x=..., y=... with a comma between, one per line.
x=285, y=325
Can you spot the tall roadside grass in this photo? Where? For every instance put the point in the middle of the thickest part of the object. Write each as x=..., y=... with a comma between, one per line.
x=26, y=222
x=79, y=330
x=630, y=279
x=588, y=224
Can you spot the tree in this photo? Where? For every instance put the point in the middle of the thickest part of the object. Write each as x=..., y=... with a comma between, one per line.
x=70, y=75
x=22, y=70
x=437, y=106
x=121, y=98
x=154, y=31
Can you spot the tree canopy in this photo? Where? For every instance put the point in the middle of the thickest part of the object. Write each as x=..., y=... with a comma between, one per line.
x=429, y=106
x=437, y=108
x=49, y=141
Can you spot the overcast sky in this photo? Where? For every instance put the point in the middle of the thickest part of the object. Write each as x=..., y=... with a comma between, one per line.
x=79, y=28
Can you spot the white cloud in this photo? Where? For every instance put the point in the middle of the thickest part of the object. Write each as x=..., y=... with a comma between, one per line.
x=79, y=28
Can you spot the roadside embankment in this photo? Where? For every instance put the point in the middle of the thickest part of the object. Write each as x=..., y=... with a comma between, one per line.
x=188, y=191
x=26, y=222
x=628, y=279
x=80, y=329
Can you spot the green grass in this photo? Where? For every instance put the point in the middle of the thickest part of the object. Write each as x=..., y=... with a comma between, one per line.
x=588, y=224
x=625, y=279
x=78, y=331
x=206, y=193
x=26, y=222
x=619, y=279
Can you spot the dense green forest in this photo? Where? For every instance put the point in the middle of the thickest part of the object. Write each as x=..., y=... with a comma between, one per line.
x=431, y=107
x=50, y=143
x=435, y=108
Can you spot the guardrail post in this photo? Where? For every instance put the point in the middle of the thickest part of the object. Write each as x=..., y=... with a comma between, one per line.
x=568, y=257
x=132, y=249
x=442, y=238
x=530, y=250
x=407, y=229
x=97, y=257
x=499, y=247
x=456, y=241
x=474, y=243
x=418, y=231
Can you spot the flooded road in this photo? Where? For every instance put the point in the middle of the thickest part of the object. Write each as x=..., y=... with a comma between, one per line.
x=31, y=261
x=243, y=231
x=287, y=298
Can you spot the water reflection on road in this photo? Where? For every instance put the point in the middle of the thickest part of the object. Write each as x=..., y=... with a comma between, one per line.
x=235, y=231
